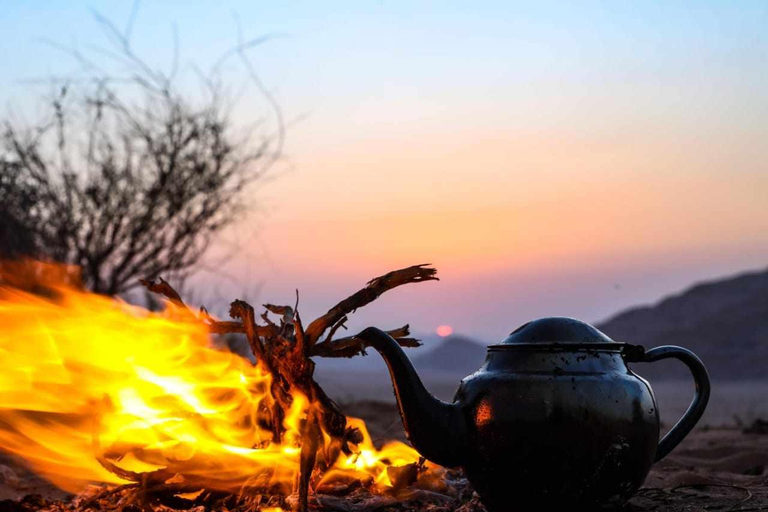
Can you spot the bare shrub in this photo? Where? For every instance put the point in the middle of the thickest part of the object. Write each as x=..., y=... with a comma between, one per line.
x=127, y=176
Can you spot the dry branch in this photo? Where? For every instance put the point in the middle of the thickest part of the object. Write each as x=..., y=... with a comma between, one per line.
x=162, y=288
x=284, y=350
x=371, y=292
x=351, y=346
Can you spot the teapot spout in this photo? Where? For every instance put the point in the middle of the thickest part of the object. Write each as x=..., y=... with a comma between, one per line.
x=436, y=429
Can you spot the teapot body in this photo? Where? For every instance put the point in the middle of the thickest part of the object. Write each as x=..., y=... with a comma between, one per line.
x=553, y=419
x=557, y=427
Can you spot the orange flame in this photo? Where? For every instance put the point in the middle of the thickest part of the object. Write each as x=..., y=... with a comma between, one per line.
x=89, y=381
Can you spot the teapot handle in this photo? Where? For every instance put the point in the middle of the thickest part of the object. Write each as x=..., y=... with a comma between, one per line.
x=700, y=397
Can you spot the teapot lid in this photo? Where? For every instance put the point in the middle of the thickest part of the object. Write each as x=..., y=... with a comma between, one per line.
x=562, y=332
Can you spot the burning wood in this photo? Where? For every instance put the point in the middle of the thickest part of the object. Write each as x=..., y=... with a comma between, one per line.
x=284, y=349
x=100, y=391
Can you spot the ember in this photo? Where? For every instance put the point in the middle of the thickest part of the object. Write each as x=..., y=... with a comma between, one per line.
x=95, y=390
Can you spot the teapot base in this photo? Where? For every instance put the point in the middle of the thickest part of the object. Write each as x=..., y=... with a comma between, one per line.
x=545, y=486
x=512, y=505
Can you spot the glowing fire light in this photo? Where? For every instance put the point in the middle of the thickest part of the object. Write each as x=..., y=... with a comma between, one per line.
x=90, y=382
x=444, y=330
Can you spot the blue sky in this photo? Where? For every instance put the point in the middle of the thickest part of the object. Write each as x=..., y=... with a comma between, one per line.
x=330, y=53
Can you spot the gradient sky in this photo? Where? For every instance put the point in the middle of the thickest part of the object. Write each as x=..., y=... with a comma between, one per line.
x=550, y=158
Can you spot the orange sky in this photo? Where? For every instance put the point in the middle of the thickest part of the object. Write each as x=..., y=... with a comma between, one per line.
x=499, y=202
x=519, y=225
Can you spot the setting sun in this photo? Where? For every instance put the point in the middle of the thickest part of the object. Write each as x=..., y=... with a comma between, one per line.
x=444, y=330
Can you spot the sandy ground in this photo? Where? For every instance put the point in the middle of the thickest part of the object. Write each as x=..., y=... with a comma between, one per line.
x=713, y=469
x=16, y=481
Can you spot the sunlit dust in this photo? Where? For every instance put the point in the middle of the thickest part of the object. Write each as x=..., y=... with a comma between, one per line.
x=444, y=330
x=91, y=384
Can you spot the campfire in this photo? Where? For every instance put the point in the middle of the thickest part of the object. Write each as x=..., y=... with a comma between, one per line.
x=97, y=391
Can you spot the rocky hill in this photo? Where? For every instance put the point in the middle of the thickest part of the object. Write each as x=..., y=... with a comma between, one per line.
x=454, y=354
x=725, y=322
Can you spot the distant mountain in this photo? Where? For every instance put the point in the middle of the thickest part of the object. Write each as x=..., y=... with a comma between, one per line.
x=454, y=354
x=725, y=322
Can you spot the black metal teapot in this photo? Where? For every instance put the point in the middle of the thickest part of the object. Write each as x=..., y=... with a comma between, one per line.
x=553, y=418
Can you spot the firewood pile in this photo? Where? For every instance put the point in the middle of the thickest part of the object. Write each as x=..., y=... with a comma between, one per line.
x=284, y=349
x=320, y=434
